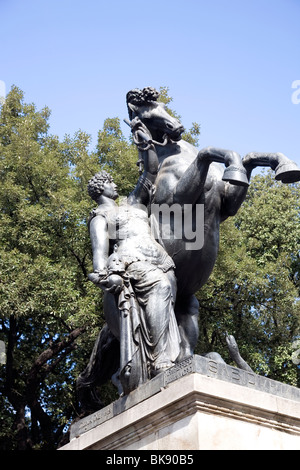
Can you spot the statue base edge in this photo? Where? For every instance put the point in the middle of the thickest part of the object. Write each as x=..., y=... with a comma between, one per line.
x=197, y=404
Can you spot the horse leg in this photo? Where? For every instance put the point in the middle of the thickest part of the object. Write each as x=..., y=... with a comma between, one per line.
x=234, y=172
x=186, y=312
x=191, y=184
x=285, y=169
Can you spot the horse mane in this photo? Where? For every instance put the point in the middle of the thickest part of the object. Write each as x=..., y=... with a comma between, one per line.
x=139, y=97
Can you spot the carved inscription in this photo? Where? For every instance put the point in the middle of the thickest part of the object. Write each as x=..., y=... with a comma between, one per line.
x=200, y=365
x=91, y=421
x=222, y=371
x=184, y=367
x=234, y=375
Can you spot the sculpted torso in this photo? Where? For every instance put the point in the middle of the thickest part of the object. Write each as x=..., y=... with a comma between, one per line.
x=133, y=236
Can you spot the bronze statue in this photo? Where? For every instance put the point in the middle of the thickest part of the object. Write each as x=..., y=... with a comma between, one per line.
x=218, y=180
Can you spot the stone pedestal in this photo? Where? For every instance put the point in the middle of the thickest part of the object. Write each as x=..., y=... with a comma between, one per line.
x=198, y=404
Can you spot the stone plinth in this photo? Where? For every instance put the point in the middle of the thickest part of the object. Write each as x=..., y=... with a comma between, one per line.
x=198, y=404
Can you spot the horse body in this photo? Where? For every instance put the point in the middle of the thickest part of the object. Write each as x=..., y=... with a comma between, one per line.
x=189, y=176
x=193, y=267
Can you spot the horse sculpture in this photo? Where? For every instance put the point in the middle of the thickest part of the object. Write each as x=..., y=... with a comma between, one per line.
x=215, y=178
x=189, y=176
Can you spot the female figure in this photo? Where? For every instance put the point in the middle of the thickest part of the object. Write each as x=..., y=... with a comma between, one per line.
x=136, y=274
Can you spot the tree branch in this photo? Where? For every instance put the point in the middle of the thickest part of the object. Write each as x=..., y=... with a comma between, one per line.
x=51, y=352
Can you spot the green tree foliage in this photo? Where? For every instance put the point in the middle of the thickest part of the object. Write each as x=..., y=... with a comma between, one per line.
x=50, y=313
x=118, y=156
x=46, y=301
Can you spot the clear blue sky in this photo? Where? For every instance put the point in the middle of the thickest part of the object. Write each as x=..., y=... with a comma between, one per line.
x=229, y=64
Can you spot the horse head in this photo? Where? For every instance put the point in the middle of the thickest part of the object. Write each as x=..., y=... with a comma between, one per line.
x=144, y=105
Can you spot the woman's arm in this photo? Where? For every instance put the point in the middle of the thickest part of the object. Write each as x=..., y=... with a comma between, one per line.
x=100, y=243
x=100, y=246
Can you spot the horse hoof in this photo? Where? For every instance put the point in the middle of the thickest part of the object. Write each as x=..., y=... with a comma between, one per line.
x=287, y=173
x=236, y=175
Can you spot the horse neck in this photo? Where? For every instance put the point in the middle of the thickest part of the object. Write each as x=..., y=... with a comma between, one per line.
x=175, y=148
x=156, y=135
x=166, y=150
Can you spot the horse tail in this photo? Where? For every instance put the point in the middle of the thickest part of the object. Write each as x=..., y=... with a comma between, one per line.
x=235, y=353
